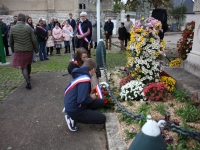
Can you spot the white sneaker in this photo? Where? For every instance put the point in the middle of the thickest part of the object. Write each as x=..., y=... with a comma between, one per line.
x=70, y=123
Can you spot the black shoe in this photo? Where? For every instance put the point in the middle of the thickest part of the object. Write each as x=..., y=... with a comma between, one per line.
x=28, y=86
x=46, y=59
x=41, y=59
x=8, y=55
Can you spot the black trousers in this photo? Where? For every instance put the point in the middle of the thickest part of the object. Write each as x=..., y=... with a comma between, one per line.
x=82, y=43
x=73, y=43
x=89, y=115
x=49, y=49
x=5, y=43
x=128, y=35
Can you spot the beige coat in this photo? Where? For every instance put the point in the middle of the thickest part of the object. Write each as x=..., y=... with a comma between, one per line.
x=50, y=41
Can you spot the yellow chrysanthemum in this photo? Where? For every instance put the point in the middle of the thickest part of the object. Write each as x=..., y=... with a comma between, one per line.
x=176, y=62
x=156, y=54
x=157, y=24
x=169, y=82
x=151, y=39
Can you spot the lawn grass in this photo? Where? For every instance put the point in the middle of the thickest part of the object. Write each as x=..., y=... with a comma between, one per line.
x=10, y=78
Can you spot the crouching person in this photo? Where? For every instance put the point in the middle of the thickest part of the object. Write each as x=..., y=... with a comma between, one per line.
x=80, y=103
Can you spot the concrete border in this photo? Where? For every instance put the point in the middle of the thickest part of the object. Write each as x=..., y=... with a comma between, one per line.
x=112, y=130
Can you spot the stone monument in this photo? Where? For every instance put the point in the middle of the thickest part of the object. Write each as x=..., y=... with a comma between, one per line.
x=192, y=63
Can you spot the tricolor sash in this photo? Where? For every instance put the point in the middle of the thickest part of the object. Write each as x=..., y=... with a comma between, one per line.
x=99, y=93
x=73, y=83
x=82, y=33
x=41, y=28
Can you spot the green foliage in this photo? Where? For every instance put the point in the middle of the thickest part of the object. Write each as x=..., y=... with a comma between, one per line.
x=161, y=108
x=143, y=108
x=130, y=135
x=179, y=13
x=115, y=60
x=189, y=113
x=176, y=147
x=130, y=103
x=127, y=119
x=180, y=95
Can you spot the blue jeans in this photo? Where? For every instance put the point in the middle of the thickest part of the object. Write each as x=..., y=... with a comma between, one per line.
x=42, y=51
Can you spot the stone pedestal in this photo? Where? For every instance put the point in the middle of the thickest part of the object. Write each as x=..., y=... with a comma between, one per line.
x=192, y=63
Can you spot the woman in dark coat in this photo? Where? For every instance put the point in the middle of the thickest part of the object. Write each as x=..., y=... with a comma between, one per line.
x=122, y=35
x=84, y=32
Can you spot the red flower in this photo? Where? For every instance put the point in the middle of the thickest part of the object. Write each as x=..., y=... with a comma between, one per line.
x=104, y=92
x=93, y=91
x=105, y=100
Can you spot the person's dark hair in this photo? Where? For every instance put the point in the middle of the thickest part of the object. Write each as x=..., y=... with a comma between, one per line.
x=128, y=15
x=31, y=24
x=70, y=13
x=79, y=53
x=21, y=17
x=57, y=24
x=90, y=64
x=122, y=23
x=67, y=21
x=40, y=20
x=14, y=16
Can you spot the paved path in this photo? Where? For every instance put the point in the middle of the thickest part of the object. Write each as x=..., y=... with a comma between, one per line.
x=32, y=120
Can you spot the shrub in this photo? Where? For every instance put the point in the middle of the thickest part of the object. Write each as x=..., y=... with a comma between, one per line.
x=156, y=92
x=133, y=90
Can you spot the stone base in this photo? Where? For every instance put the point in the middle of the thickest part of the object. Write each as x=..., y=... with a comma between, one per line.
x=185, y=80
x=191, y=65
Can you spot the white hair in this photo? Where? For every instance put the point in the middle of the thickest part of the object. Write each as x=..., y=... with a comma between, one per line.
x=83, y=13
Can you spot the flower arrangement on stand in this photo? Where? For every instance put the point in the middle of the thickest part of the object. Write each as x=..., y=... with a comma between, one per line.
x=145, y=49
x=184, y=45
x=143, y=58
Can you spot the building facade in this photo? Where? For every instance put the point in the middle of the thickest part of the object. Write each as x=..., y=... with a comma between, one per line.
x=47, y=9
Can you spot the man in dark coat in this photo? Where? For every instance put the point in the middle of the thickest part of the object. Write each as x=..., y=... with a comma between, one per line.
x=15, y=19
x=108, y=28
x=72, y=22
x=41, y=33
x=4, y=30
x=84, y=33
